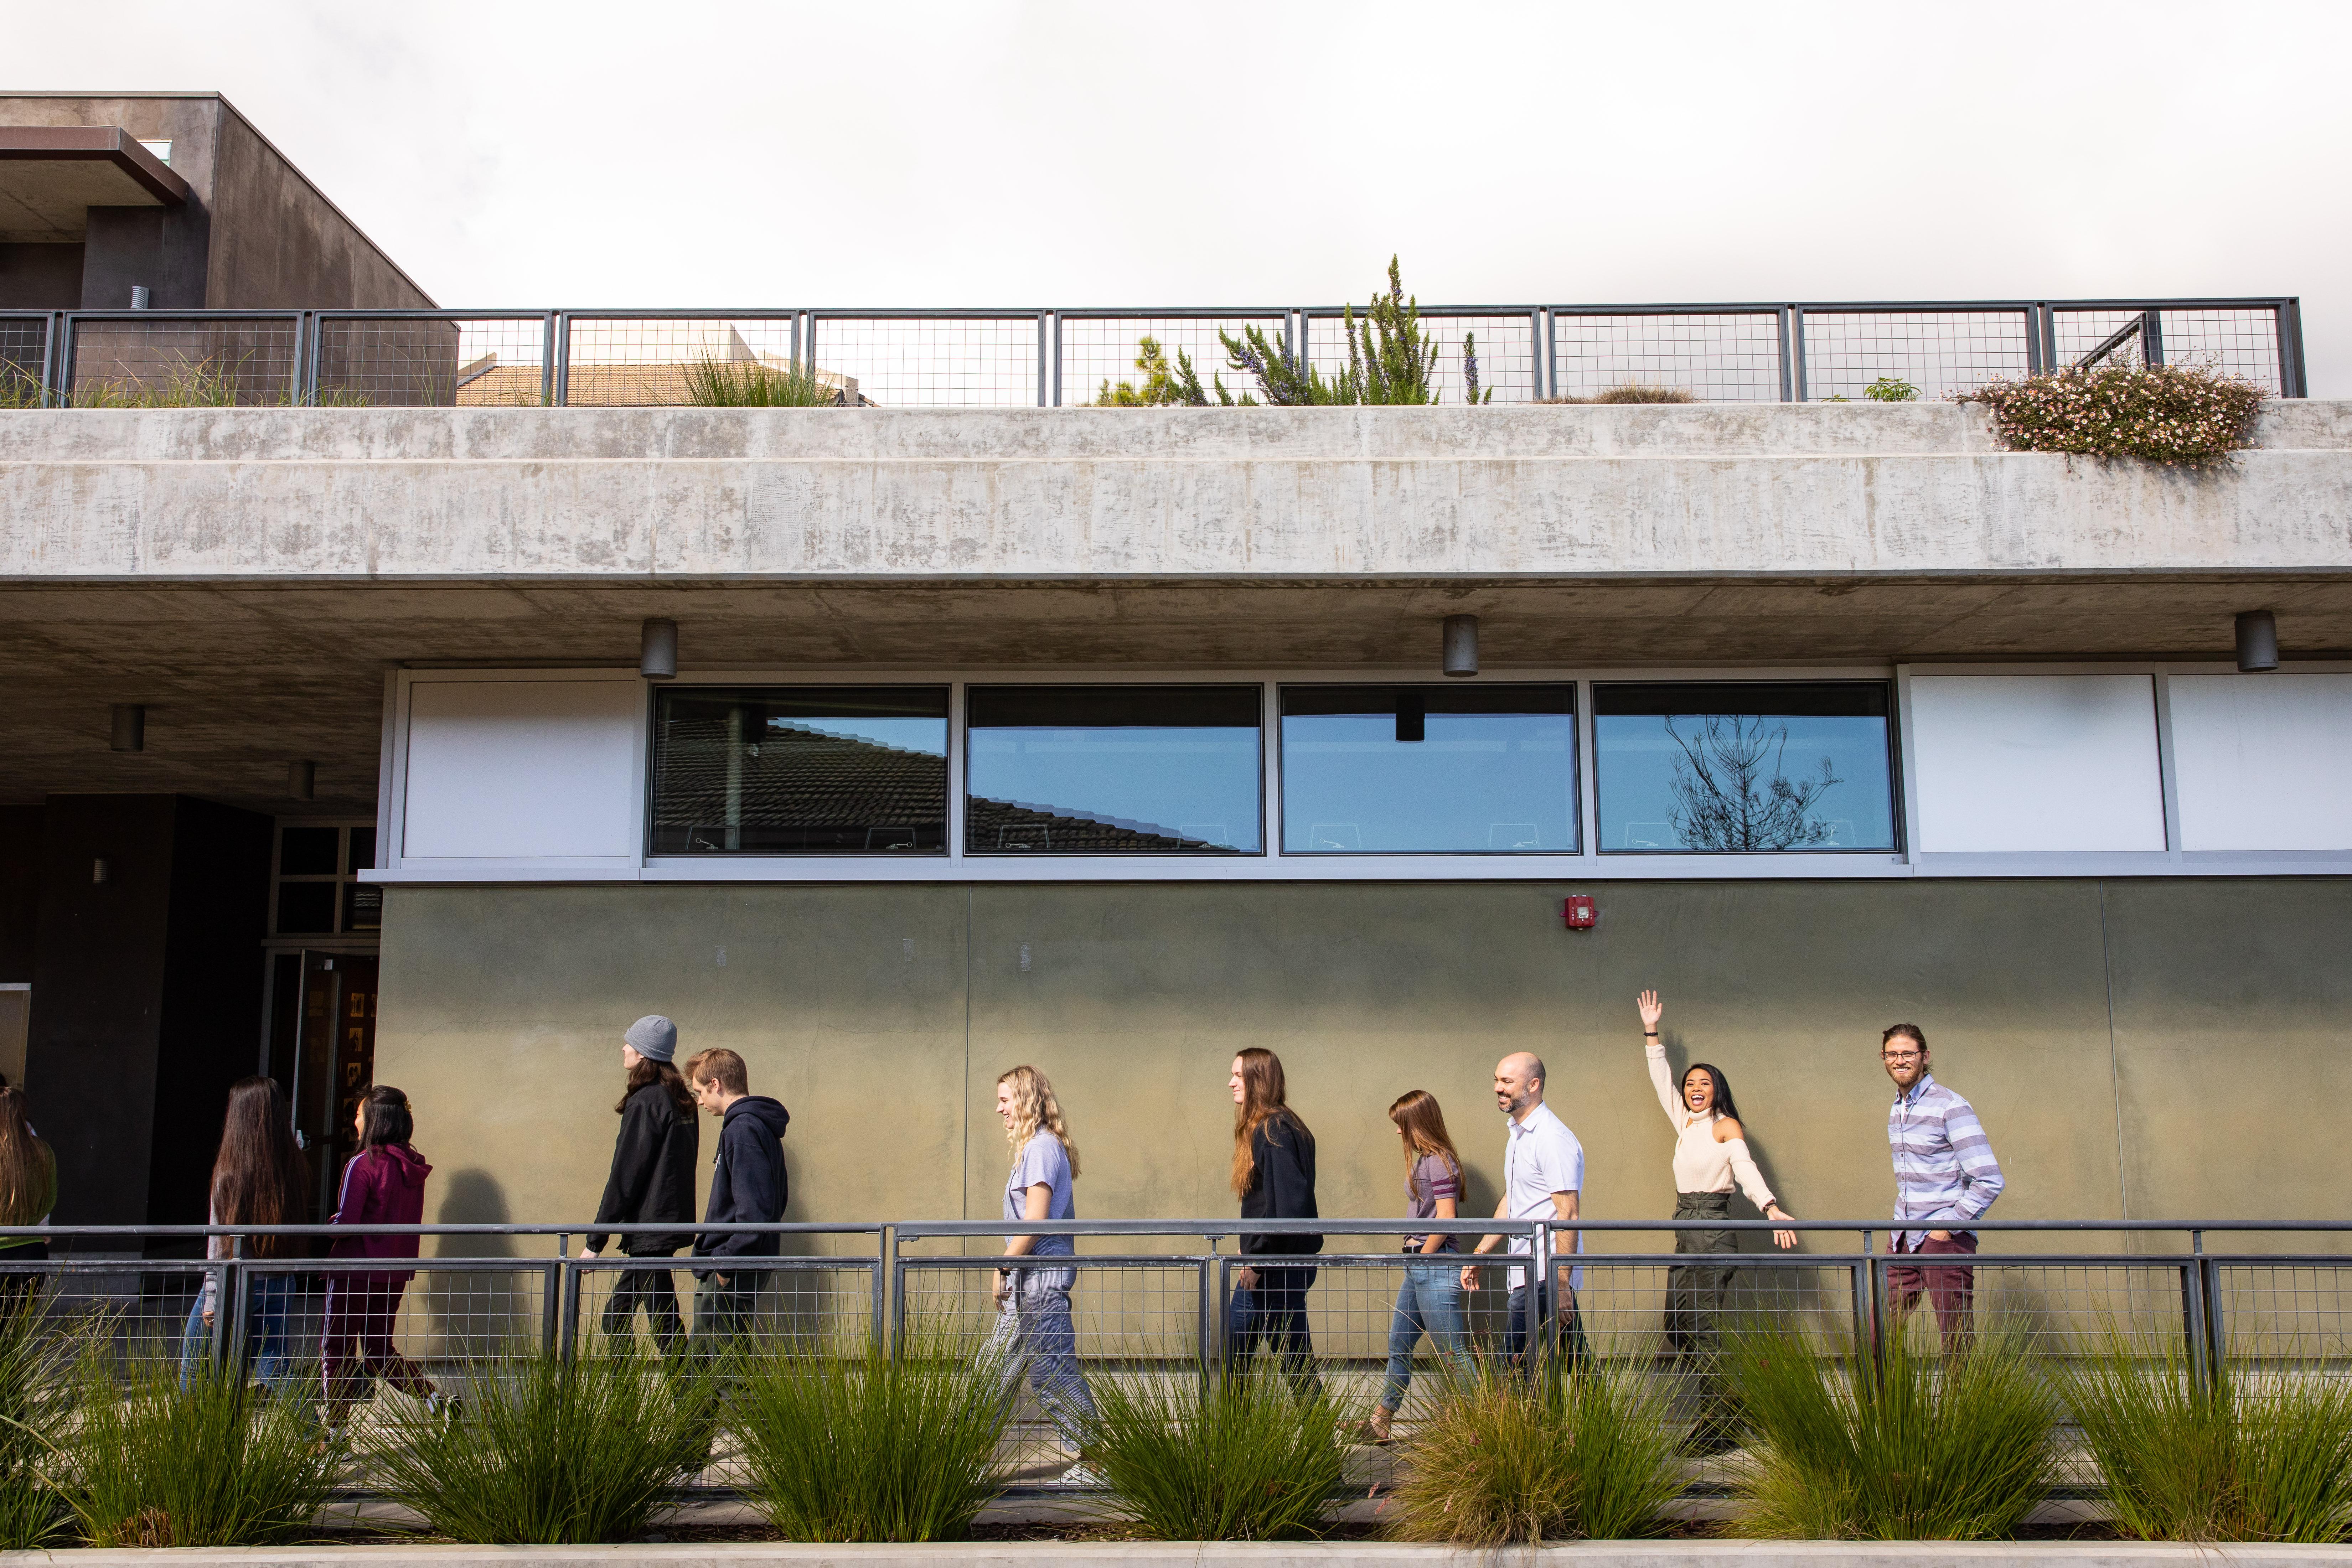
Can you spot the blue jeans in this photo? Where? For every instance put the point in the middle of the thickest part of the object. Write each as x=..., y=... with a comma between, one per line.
x=1428, y=1301
x=270, y=1303
x=1034, y=1337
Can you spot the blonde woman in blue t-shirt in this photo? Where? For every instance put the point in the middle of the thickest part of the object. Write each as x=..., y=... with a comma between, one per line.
x=1034, y=1331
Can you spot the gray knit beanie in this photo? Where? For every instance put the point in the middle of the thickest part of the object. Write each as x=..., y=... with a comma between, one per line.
x=652, y=1037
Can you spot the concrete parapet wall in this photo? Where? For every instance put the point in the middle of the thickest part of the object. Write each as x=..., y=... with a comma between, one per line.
x=694, y=495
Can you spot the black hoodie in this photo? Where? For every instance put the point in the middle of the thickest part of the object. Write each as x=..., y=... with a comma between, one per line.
x=653, y=1171
x=747, y=1180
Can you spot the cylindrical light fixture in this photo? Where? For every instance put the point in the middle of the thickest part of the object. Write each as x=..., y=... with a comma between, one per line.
x=301, y=780
x=1461, y=645
x=130, y=727
x=2257, y=640
x=657, y=649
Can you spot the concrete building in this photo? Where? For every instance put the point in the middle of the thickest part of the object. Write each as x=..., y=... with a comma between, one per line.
x=1117, y=740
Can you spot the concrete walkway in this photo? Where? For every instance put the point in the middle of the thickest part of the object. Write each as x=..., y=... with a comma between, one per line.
x=1178, y=1555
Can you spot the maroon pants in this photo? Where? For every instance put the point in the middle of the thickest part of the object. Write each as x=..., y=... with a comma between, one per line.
x=361, y=1310
x=1952, y=1287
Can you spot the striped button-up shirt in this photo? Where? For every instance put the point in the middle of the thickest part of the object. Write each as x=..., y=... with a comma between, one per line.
x=1944, y=1170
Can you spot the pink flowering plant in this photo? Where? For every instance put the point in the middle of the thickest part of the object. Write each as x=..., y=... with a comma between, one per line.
x=2184, y=417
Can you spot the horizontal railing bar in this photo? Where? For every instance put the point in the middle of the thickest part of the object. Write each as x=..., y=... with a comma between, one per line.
x=577, y=1227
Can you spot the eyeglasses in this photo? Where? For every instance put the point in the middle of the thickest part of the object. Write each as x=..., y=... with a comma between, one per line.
x=1901, y=1056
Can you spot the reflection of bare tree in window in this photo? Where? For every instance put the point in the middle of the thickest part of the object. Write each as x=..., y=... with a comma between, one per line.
x=1730, y=794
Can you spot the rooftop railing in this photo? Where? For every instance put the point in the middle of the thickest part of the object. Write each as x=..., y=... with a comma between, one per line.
x=1758, y=352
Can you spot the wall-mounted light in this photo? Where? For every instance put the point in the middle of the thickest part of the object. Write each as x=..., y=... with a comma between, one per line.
x=2257, y=641
x=142, y=297
x=1412, y=717
x=1461, y=645
x=657, y=649
x=301, y=780
x=130, y=728
x=98, y=871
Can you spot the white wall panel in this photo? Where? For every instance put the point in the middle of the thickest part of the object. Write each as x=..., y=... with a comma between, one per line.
x=2009, y=762
x=511, y=770
x=2264, y=762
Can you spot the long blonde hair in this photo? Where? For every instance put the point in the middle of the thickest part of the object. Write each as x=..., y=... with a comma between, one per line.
x=1034, y=1106
x=27, y=1164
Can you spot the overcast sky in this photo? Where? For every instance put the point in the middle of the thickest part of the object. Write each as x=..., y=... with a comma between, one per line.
x=1070, y=154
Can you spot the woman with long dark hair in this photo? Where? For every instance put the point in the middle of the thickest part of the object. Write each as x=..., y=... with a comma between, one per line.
x=652, y=1180
x=1710, y=1157
x=260, y=1176
x=1430, y=1300
x=1274, y=1176
x=384, y=1184
x=28, y=1191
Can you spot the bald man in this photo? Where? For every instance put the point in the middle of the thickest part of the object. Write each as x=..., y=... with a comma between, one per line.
x=1543, y=1177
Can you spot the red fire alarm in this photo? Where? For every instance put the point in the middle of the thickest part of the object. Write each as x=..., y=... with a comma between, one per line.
x=1581, y=913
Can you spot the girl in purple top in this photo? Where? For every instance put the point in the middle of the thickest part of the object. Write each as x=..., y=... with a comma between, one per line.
x=384, y=1184
x=1430, y=1300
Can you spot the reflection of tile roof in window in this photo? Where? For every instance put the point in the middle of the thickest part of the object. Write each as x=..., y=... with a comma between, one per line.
x=805, y=781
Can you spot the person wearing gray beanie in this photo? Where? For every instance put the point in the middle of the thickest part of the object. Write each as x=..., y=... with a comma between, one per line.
x=652, y=1182
x=652, y=1037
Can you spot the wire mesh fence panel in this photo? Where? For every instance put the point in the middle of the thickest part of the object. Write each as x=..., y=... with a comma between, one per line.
x=1716, y=358
x=24, y=348
x=911, y=361
x=1504, y=350
x=1105, y=360
x=191, y=362
x=374, y=361
x=2284, y=1314
x=641, y=361
x=795, y=1306
x=1935, y=352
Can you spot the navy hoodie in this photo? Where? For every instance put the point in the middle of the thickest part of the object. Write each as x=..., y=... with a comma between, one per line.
x=747, y=1181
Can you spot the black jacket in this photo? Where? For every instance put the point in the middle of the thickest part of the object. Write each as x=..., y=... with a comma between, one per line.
x=747, y=1181
x=653, y=1173
x=1283, y=1185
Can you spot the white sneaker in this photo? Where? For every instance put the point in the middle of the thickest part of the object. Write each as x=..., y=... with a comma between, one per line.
x=1077, y=1475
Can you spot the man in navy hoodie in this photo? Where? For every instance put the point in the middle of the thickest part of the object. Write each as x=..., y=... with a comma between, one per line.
x=747, y=1186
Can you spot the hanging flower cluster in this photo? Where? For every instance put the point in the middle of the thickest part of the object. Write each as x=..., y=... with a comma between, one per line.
x=2185, y=417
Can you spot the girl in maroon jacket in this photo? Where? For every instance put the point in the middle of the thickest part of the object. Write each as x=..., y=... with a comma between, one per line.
x=384, y=1184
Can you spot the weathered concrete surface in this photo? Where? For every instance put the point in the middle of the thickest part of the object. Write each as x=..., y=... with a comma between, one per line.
x=882, y=1015
x=719, y=495
x=1235, y=1554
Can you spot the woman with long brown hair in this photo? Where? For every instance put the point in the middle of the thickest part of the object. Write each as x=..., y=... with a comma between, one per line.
x=652, y=1179
x=1430, y=1300
x=1274, y=1176
x=28, y=1191
x=259, y=1177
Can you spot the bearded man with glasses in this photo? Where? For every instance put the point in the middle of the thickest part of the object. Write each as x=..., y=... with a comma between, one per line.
x=1945, y=1177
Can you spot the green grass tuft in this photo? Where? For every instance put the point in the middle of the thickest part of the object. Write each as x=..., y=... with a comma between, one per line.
x=150, y=1463
x=866, y=1448
x=712, y=382
x=1497, y=1463
x=38, y=1357
x=548, y=1453
x=1914, y=1449
x=1247, y=1459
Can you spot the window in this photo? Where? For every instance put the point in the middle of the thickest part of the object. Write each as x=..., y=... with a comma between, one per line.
x=1433, y=769
x=316, y=891
x=1751, y=765
x=1113, y=770
x=802, y=769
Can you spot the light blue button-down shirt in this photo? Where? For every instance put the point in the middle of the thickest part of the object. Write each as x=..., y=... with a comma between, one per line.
x=1944, y=1170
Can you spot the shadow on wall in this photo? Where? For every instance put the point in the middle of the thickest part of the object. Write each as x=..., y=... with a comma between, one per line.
x=472, y=1312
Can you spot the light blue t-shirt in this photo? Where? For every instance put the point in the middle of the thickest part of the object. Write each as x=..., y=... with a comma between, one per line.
x=1043, y=1162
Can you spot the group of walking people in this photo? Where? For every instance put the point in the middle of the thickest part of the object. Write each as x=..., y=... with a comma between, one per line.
x=1946, y=1177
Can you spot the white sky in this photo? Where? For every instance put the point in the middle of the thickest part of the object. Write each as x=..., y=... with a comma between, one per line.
x=583, y=153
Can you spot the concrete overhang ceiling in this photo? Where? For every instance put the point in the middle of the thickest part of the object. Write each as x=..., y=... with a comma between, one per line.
x=51, y=175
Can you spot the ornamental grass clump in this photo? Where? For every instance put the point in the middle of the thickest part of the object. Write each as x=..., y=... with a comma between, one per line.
x=871, y=1447
x=1495, y=1463
x=1632, y=392
x=546, y=1452
x=2262, y=1457
x=38, y=1357
x=1910, y=1448
x=151, y=1461
x=712, y=382
x=1243, y=1458
x=2185, y=417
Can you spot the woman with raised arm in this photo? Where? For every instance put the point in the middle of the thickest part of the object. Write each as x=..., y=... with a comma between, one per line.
x=1710, y=1157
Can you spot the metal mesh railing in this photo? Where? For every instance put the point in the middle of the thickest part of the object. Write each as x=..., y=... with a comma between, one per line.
x=1013, y=359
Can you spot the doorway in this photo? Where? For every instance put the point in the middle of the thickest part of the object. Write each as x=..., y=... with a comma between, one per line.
x=334, y=1061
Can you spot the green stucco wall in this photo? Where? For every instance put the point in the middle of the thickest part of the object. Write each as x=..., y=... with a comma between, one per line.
x=2141, y=1048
